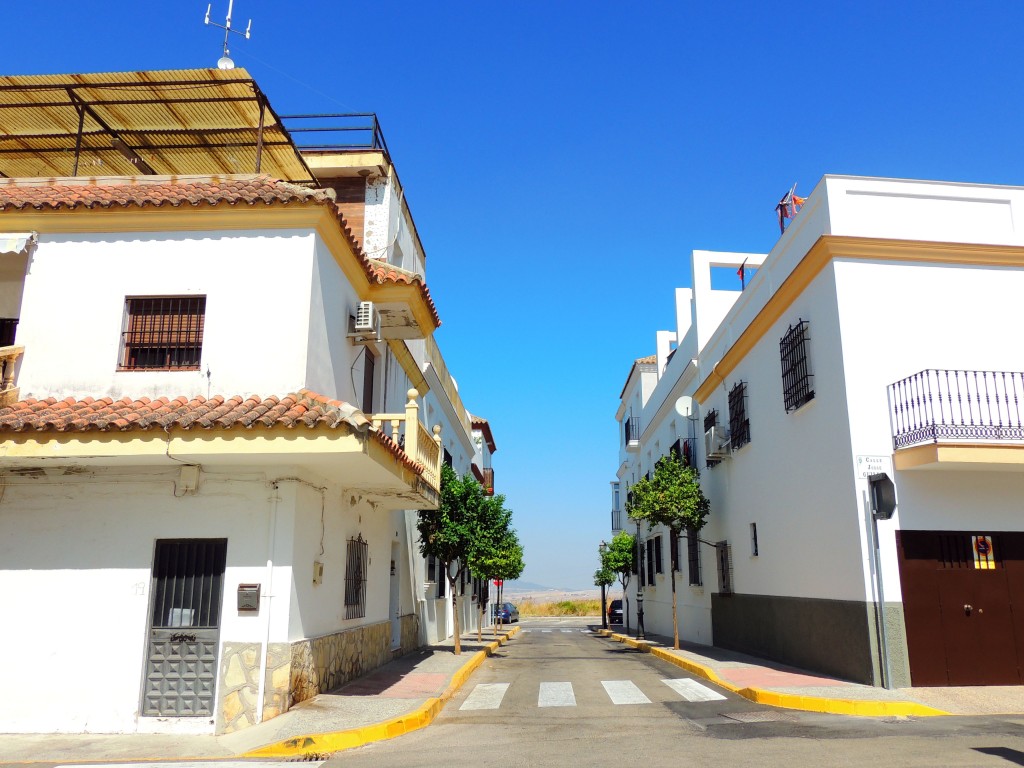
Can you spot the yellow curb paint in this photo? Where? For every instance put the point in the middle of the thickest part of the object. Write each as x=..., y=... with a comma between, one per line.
x=858, y=707
x=420, y=717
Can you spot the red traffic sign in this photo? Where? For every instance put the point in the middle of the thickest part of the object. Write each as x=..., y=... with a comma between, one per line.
x=498, y=582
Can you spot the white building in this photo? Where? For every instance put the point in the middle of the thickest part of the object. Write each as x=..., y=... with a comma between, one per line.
x=870, y=340
x=218, y=413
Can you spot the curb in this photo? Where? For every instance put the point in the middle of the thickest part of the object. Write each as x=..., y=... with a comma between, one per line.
x=421, y=717
x=858, y=707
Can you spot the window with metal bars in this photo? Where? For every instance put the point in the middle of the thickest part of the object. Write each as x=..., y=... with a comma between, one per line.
x=796, y=372
x=739, y=424
x=355, y=579
x=693, y=558
x=187, y=582
x=673, y=552
x=650, y=560
x=659, y=565
x=723, y=554
x=163, y=333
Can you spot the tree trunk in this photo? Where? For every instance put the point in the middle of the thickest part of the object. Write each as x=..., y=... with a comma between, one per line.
x=455, y=614
x=625, y=603
x=480, y=619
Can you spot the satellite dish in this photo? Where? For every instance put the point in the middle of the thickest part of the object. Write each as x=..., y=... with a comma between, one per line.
x=684, y=406
x=225, y=62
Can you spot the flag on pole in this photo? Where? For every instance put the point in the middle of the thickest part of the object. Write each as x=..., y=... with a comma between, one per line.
x=787, y=207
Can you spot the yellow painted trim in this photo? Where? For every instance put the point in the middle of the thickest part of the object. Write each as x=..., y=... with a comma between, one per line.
x=932, y=454
x=409, y=365
x=859, y=707
x=829, y=247
x=405, y=293
x=200, y=444
x=421, y=717
x=328, y=160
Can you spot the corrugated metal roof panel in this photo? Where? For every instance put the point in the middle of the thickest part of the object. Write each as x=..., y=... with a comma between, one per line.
x=205, y=121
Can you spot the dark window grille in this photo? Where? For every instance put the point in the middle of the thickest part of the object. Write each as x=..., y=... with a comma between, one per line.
x=723, y=554
x=711, y=420
x=638, y=562
x=187, y=582
x=8, y=328
x=650, y=561
x=488, y=483
x=693, y=558
x=739, y=424
x=632, y=429
x=796, y=373
x=673, y=552
x=355, y=579
x=448, y=458
x=163, y=333
x=369, y=366
x=683, y=447
x=659, y=565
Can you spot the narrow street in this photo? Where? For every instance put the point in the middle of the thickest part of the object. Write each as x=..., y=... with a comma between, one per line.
x=558, y=695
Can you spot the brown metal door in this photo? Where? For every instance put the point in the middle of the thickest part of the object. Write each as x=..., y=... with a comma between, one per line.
x=958, y=611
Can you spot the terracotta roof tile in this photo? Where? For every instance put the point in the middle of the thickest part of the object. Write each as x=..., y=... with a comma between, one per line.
x=649, y=360
x=176, y=192
x=304, y=408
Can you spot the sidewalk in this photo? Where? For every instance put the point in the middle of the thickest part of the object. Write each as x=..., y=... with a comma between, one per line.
x=397, y=698
x=778, y=685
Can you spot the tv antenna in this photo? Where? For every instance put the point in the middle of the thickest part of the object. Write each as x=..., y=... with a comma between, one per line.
x=225, y=62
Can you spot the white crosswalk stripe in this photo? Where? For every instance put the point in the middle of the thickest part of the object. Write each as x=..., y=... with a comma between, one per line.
x=556, y=695
x=485, y=696
x=567, y=631
x=691, y=690
x=562, y=694
x=624, y=692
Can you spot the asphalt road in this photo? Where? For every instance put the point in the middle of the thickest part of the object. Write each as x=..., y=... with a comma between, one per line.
x=556, y=695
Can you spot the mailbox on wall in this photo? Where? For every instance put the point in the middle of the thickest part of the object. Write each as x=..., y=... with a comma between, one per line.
x=248, y=598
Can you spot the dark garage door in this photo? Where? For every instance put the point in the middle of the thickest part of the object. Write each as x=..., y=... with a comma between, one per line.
x=960, y=589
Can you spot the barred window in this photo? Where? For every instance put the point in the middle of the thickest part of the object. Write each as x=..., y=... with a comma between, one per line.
x=163, y=333
x=796, y=373
x=673, y=552
x=693, y=558
x=723, y=554
x=650, y=559
x=739, y=424
x=659, y=565
x=355, y=579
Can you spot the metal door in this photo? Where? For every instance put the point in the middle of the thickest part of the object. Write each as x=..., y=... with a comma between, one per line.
x=184, y=633
x=958, y=608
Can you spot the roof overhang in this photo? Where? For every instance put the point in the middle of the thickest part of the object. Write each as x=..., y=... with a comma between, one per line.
x=353, y=460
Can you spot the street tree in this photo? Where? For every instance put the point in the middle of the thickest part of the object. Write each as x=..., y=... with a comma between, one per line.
x=671, y=497
x=494, y=541
x=503, y=561
x=604, y=577
x=619, y=559
x=461, y=527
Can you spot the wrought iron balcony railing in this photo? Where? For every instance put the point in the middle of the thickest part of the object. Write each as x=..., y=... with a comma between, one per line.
x=941, y=404
x=632, y=431
x=336, y=132
x=617, y=515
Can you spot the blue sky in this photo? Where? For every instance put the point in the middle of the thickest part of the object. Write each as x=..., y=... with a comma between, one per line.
x=562, y=159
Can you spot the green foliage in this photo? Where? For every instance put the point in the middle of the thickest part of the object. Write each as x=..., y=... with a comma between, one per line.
x=501, y=560
x=672, y=497
x=603, y=576
x=619, y=557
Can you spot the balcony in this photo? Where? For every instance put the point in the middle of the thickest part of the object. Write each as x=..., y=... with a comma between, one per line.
x=419, y=444
x=488, y=482
x=958, y=419
x=631, y=426
x=10, y=357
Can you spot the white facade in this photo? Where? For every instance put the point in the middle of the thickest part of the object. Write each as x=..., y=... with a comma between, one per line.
x=892, y=278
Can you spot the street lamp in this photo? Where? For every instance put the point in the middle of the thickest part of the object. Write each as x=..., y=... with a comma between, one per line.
x=640, y=634
x=602, y=548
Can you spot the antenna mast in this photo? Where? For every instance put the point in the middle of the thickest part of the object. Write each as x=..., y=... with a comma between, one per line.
x=225, y=61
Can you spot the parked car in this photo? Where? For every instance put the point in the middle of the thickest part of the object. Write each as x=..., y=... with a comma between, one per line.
x=615, y=612
x=506, y=612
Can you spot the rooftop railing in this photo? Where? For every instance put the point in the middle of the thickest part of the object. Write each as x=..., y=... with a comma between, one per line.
x=338, y=132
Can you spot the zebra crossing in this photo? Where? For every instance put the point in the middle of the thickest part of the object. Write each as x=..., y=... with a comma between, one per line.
x=562, y=694
x=563, y=631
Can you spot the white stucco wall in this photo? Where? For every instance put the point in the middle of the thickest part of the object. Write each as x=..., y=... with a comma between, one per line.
x=258, y=304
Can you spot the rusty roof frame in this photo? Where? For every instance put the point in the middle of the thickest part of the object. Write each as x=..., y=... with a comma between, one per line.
x=175, y=122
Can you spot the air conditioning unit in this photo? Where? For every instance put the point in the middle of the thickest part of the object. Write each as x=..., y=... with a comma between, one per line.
x=365, y=326
x=716, y=443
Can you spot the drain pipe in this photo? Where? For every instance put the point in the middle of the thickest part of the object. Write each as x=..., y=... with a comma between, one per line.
x=268, y=595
